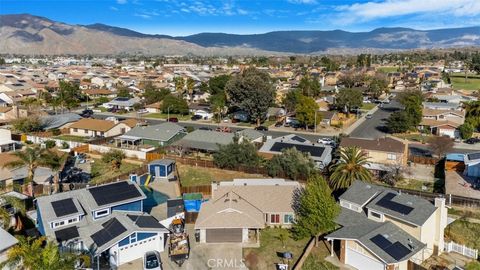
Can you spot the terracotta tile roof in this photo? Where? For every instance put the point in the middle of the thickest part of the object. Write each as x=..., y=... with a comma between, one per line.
x=94, y=124
x=381, y=144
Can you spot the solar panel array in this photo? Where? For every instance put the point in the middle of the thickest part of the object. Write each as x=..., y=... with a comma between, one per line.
x=145, y=221
x=315, y=151
x=473, y=156
x=298, y=139
x=386, y=202
x=397, y=250
x=66, y=234
x=112, y=193
x=111, y=229
x=64, y=207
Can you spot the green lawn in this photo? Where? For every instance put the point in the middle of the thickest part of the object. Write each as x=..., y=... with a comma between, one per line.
x=464, y=232
x=102, y=171
x=465, y=213
x=415, y=185
x=458, y=82
x=387, y=69
x=180, y=117
x=315, y=261
x=368, y=106
x=198, y=176
x=265, y=257
x=72, y=138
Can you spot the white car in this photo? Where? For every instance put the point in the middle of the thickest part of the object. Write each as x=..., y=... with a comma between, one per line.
x=151, y=261
x=368, y=116
x=326, y=141
x=142, y=111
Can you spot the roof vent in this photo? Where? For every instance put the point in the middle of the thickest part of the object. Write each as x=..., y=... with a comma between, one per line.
x=409, y=203
x=369, y=187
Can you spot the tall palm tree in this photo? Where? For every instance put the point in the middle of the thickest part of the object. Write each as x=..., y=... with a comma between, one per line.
x=31, y=157
x=350, y=168
x=5, y=215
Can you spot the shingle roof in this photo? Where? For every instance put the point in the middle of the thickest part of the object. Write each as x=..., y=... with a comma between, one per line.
x=161, y=132
x=380, y=144
x=206, y=139
x=360, y=193
x=94, y=124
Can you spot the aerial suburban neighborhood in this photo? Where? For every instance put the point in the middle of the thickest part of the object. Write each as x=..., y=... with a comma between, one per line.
x=149, y=151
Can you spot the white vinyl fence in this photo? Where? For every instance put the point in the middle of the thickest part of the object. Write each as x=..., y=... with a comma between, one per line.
x=462, y=249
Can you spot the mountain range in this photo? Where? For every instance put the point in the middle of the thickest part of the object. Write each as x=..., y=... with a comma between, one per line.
x=28, y=34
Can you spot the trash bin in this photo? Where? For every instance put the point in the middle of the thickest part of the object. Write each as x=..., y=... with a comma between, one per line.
x=197, y=236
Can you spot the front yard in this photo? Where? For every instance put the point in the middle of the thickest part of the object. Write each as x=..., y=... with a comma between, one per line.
x=464, y=232
x=102, y=171
x=197, y=176
x=180, y=117
x=266, y=256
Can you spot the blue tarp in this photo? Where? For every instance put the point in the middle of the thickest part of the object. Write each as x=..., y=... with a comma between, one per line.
x=192, y=205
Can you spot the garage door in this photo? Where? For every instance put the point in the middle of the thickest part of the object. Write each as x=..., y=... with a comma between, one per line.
x=362, y=262
x=224, y=235
x=136, y=250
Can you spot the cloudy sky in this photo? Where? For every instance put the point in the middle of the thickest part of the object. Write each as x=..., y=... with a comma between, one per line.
x=183, y=17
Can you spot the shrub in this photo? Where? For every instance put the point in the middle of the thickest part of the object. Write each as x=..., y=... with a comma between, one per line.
x=65, y=145
x=50, y=144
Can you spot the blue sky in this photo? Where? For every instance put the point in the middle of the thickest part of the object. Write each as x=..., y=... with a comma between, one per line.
x=183, y=17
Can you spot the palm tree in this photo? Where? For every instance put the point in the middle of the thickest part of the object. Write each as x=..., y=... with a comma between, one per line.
x=55, y=162
x=31, y=157
x=190, y=86
x=5, y=215
x=31, y=254
x=350, y=168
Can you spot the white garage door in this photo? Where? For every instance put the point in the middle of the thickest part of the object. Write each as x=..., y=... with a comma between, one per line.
x=136, y=250
x=362, y=262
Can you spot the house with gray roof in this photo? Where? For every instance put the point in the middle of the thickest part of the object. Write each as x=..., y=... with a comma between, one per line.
x=205, y=140
x=59, y=121
x=106, y=220
x=156, y=135
x=384, y=229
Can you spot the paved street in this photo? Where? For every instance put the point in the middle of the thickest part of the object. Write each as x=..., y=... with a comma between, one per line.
x=375, y=127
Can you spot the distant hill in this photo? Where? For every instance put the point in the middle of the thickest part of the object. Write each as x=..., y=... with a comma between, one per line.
x=28, y=34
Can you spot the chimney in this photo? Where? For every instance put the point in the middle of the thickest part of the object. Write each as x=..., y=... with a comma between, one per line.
x=214, y=187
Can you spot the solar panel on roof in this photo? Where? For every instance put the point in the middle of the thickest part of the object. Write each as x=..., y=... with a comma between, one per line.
x=298, y=139
x=381, y=241
x=473, y=156
x=111, y=229
x=111, y=193
x=66, y=234
x=64, y=207
x=145, y=221
x=314, y=151
x=386, y=202
x=397, y=251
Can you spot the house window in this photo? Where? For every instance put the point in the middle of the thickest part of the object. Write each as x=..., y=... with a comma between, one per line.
x=122, y=130
x=391, y=157
x=102, y=213
x=274, y=218
x=102, y=134
x=85, y=131
x=72, y=220
x=375, y=215
x=75, y=130
x=287, y=219
x=58, y=224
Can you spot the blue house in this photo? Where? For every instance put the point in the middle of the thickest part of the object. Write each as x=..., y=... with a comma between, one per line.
x=162, y=168
x=108, y=219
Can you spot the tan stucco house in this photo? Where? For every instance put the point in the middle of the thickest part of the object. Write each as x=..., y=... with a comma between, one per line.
x=383, y=229
x=239, y=209
x=87, y=127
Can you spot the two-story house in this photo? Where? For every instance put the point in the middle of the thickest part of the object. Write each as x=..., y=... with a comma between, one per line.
x=383, y=229
x=382, y=152
x=239, y=209
x=443, y=122
x=107, y=220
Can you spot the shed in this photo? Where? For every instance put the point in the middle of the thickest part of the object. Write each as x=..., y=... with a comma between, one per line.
x=162, y=168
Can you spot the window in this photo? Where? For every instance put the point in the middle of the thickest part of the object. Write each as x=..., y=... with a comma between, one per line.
x=391, y=157
x=72, y=220
x=102, y=213
x=75, y=130
x=274, y=218
x=375, y=215
x=58, y=224
x=102, y=133
x=85, y=131
x=288, y=218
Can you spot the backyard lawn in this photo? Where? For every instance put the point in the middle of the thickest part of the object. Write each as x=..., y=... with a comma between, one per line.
x=102, y=171
x=265, y=257
x=458, y=82
x=387, y=69
x=71, y=138
x=415, y=185
x=180, y=117
x=315, y=261
x=464, y=232
x=197, y=176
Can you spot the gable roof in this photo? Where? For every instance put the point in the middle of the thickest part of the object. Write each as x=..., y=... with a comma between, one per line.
x=94, y=124
x=360, y=193
x=206, y=139
x=56, y=121
x=161, y=132
x=380, y=144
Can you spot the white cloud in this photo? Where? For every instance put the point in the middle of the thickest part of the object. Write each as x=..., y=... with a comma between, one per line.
x=391, y=8
x=302, y=1
x=114, y=8
x=121, y=2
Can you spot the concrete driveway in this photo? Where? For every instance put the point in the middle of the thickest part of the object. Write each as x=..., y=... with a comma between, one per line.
x=208, y=256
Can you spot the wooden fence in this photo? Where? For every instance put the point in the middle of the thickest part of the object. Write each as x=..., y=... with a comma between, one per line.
x=205, y=190
x=423, y=160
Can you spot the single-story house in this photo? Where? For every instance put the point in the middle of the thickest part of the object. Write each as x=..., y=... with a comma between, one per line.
x=156, y=135
x=202, y=110
x=59, y=121
x=329, y=118
x=6, y=142
x=275, y=113
x=319, y=153
x=154, y=107
x=205, y=140
x=239, y=209
x=252, y=135
x=88, y=127
x=121, y=103
x=107, y=220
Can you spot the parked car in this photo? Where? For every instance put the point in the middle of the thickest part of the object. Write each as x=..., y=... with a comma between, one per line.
x=142, y=111
x=172, y=119
x=196, y=117
x=151, y=261
x=473, y=140
x=261, y=128
x=87, y=113
x=326, y=141
x=205, y=128
x=368, y=116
